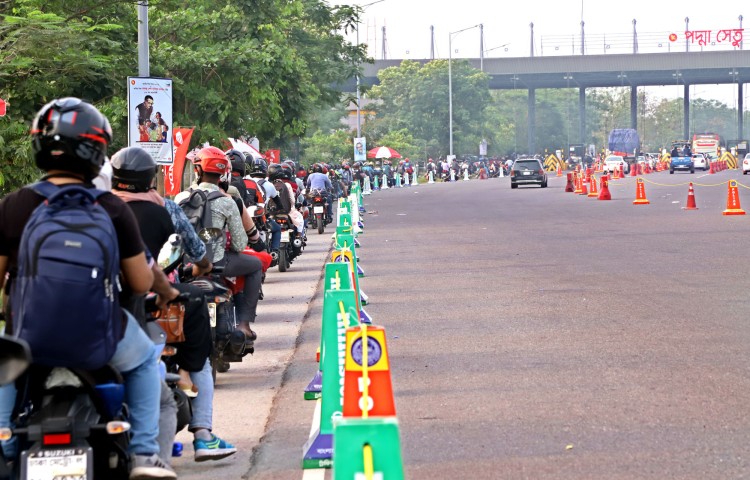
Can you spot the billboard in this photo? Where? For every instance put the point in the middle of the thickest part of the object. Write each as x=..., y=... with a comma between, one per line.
x=360, y=149
x=150, y=117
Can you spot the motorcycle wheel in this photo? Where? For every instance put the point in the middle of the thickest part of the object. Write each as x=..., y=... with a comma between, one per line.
x=283, y=261
x=321, y=224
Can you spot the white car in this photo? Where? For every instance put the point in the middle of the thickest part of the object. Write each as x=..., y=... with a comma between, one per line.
x=746, y=164
x=614, y=162
x=700, y=160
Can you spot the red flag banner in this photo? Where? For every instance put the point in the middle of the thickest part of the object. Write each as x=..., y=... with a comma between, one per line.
x=272, y=156
x=173, y=173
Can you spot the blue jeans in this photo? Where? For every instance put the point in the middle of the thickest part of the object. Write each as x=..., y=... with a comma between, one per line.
x=203, y=404
x=135, y=358
x=275, y=234
x=7, y=400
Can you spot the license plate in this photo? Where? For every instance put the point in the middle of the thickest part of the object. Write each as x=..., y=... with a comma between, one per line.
x=318, y=209
x=212, y=314
x=285, y=236
x=527, y=173
x=63, y=464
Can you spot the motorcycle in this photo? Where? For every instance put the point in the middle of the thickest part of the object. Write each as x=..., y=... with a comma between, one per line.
x=291, y=243
x=320, y=210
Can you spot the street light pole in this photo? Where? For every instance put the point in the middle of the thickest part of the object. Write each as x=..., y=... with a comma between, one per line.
x=359, y=121
x=144, y=69
x=450, y=85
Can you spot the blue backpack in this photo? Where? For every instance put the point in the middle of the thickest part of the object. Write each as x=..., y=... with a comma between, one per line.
x=65, y=298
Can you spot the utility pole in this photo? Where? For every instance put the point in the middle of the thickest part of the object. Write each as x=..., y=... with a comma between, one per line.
x=432, y=42
x=144, y=70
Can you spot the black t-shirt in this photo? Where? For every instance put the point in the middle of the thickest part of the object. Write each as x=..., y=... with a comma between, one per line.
x=17, y=207
x=155, y=224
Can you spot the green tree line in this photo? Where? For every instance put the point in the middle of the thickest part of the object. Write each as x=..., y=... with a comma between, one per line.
x=250, y=67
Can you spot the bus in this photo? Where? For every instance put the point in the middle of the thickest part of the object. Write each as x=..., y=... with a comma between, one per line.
x=708, y=143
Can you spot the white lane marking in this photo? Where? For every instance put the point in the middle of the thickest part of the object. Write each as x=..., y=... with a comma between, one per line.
x=315, y=473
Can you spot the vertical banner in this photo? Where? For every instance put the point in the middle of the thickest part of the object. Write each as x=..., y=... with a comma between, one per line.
x=273, y=156
x=150, y=117
x=173, y=172
x=360, y=149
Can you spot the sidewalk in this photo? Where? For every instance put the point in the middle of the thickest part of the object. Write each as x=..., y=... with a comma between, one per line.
x=245, y=394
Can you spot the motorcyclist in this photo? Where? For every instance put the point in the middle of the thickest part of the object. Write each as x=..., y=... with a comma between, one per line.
x=256, y=173
x=317, y=180
x=284, y=173
x=134, y=172
x=63, y=128
x=346, y=177
x=213, y=169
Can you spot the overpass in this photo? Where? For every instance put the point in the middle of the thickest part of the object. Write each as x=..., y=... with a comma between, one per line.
x=590, y=71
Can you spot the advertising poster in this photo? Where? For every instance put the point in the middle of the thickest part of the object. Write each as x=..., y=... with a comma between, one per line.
x=360, y=149
x=273, y=156
x=150, y=117
x=173, y=173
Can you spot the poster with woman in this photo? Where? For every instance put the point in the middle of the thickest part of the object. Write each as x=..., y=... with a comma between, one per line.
x=150, y=117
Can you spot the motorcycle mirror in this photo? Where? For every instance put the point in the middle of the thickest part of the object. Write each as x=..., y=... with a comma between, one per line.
x=170, y=253
x=15, y=358
x=210, y=234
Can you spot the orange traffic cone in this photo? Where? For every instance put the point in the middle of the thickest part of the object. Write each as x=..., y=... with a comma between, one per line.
x=569, y=186
x=604, y=189
x=577, y=191
x=616, y=174
x=691, y=199
x=582, y=180
x=634, y=169
x=640, y=193
x=733, y=200
x=592, y=187
x=712, y=170
x=559, y=169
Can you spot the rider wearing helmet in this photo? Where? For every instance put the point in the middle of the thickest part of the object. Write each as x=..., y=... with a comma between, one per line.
x=69, y=140
x=134, y=171
x=346, y=177
x=257, y=172
x=319, y=181
x=283, y=172
x=214, y=168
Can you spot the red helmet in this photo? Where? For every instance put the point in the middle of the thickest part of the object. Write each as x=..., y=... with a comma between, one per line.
x=345, y=165
x=401, y=162
x=213, y=160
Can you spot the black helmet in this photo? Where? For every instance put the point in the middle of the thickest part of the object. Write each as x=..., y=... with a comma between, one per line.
x=71, y=135
x=133, y=169
x=278, y=172
x=317, y=168
x=238, y=162
x=258, y=167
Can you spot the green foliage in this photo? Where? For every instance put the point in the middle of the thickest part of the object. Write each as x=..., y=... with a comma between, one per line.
x=331, y=147
x=260, y=67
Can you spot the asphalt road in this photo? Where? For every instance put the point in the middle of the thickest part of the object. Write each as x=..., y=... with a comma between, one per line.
x=539, y=334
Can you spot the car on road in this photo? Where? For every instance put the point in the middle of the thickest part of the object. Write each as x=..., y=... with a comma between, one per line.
x=746, y=164
x=614, y=162
x=701, y=160
x=528, y=171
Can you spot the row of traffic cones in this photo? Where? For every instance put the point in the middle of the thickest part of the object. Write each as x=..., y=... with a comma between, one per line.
x=577, y=185
x=733, y=198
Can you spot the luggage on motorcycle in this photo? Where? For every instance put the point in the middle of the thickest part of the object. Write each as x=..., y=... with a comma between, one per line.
x=198, y=212
x=255, y=193
x=65, y=298
x=286, y=202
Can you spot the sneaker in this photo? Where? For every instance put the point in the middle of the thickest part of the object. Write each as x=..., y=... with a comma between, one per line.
x=147, y=467
x=214, y=449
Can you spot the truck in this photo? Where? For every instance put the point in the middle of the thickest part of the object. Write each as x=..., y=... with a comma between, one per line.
x=625, y=143
x=681, y=157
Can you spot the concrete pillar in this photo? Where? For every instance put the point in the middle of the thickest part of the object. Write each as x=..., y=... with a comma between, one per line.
x=633, y=107
x=582, y=115
x=532, y=121
x=686, y=113
x=740, y=108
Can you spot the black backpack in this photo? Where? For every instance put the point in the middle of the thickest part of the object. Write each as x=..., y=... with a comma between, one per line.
x=286, y=203
x=198, y=212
